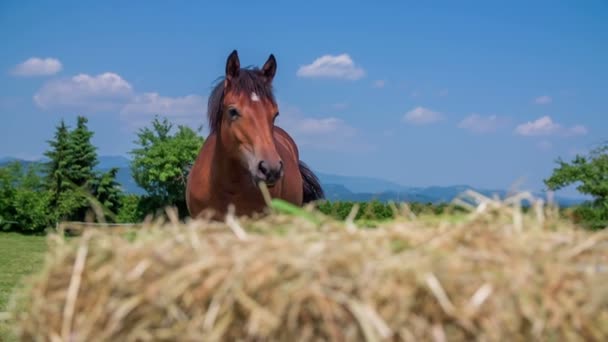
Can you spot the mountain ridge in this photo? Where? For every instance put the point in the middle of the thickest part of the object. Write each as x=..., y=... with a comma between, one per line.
x=336, y=187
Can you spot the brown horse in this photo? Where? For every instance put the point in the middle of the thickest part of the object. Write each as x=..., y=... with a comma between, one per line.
x=245, y=147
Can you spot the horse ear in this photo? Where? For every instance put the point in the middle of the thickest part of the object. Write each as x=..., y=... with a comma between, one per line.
x=270, y=68
x=232, y=65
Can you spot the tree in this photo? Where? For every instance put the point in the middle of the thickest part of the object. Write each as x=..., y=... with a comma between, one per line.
x=161, y=162
x=130, y=210
x=107, y=191
x=70, y=171
x=82, y=154
x=63, y=199
x=591, y=172
x=9, y=178
x=71, y=175
x=24, y=200
x=57, y=167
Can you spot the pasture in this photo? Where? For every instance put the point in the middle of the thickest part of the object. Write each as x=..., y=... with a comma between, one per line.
x=20, y=255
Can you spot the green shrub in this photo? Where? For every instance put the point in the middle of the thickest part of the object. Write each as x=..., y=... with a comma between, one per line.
x=374, y=210
x=592, y=215
x=24, y=202
x=130, y=211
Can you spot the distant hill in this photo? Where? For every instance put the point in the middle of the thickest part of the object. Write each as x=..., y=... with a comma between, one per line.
x=360, y=184
x=337, y=187
x=108, y=162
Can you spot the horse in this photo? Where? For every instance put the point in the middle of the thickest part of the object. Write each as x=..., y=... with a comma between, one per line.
x=245, y=148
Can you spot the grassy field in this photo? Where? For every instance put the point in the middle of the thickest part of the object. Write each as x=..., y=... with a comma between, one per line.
x=19, y=256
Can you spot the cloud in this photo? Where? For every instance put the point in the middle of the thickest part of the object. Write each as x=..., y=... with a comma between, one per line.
x=37, y=67
x=323, y=126
x=106, y=91
x=422, y=116
x=109, y=92
x=480, y=124
x=153, y=103
x=185, y=110
x=379, y=84
x=328, y=66
x=545, y=126
x=543, y=100
x=328, y=133
x=541, y=126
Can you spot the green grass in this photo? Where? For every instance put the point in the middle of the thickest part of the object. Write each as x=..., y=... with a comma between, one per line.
x=19, y=256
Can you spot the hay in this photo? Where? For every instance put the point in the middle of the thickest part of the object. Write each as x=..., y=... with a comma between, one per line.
x=497, y=275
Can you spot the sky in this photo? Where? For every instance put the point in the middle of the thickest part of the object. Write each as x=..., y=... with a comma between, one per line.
x=487, y=94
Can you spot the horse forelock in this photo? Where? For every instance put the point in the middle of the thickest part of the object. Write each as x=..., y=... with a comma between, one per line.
x=250, y=82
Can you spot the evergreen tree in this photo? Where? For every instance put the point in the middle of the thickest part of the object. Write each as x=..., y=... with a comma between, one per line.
x=57, y=167
x=81, y=159
x=108, y=191
x=82, y=155
x=70, y=173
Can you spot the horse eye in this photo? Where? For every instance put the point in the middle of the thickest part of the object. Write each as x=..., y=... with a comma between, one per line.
x=234, y=114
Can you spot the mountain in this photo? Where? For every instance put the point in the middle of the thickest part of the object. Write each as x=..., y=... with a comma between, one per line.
x=123, y=176
x=338, y=187
x=359, y=184
x=108, y=162
x=6, y=160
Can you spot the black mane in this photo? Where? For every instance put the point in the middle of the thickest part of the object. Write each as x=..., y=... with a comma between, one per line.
x=249, y=80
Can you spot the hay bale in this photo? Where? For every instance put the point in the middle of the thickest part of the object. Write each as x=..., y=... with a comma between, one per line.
x=498, y=275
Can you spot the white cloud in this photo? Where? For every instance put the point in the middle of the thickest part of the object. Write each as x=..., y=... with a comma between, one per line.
x=106, y=91
x=545, y=99
x=544, y=126
x=379, y=84
x=187, y=110
x=540, y=126
x=327, y=133
x=323, y=126
x=422, y=116
x=109, y=92
x=481, y=124
x=154, y=103
x=328, y=66
x=38, y=67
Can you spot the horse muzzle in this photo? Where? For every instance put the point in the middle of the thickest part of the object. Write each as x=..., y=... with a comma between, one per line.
x=269, y=173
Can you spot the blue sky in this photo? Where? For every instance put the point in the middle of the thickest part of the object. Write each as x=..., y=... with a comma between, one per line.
x=441, y=93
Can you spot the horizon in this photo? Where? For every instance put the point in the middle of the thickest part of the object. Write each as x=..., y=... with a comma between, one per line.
x=480, y=94
x=344, y=179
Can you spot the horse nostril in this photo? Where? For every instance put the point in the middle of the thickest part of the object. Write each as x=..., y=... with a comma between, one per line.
x=263, y=166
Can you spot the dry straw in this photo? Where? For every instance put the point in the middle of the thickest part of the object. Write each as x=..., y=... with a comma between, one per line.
x=496, y=275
